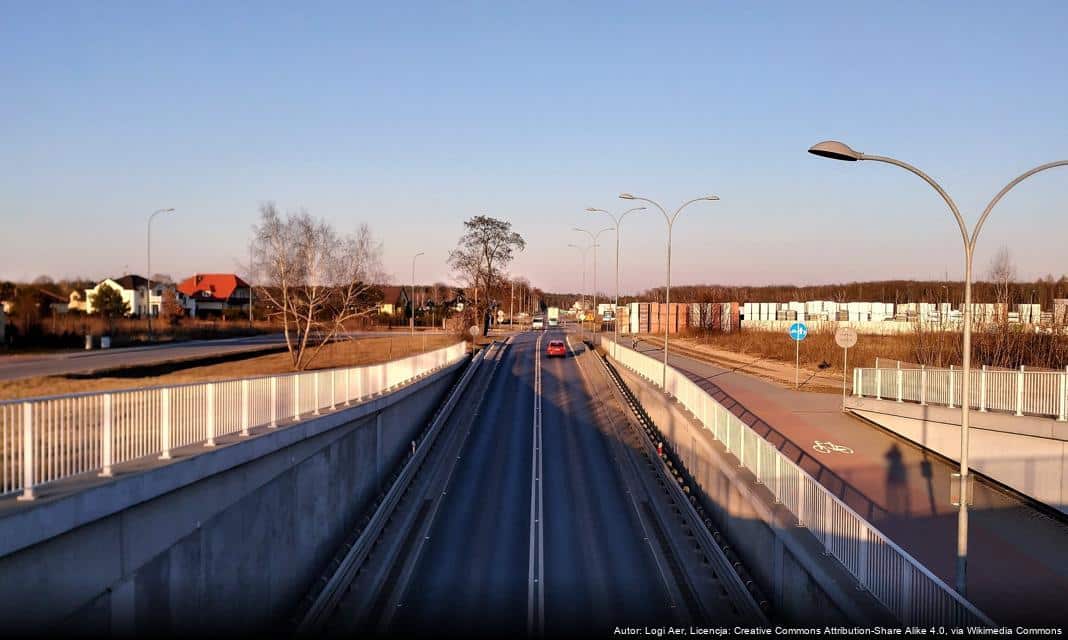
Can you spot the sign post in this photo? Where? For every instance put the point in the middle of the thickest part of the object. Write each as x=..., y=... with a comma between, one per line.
x=798, y=331
x=846, y=337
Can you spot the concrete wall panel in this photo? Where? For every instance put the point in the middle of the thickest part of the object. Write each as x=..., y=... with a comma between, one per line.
x=227, y=540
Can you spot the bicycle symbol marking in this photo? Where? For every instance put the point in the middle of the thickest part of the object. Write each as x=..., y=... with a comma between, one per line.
x=826, y=446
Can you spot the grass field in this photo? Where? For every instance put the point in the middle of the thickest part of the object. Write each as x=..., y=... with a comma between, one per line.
x=1006, y=347
x=770, y=355
x=348, y=353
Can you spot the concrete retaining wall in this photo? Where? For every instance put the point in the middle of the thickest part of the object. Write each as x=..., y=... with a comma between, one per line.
x=806, y=586
x=228, y=541
x=1026, y=453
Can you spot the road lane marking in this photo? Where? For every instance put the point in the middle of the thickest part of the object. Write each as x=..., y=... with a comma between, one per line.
x=536, y=565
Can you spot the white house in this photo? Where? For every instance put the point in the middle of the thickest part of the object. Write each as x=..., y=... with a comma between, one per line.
x=133, y=289
x=76, y=301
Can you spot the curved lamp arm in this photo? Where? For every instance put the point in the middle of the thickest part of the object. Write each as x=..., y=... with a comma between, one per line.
x=688, y=203
x=1008, y=187
x=627, y=196
x=937, y=187
x=617, y=220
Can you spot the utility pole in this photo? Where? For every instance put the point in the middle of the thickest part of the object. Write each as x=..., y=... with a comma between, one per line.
x=670, y=219
x=412, y=319
x=839, y=151
x=250, y=284
x=593, y=242
x=148, y=292
x=617, y=222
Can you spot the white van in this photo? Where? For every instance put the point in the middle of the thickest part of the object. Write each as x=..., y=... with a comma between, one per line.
x=538, y=323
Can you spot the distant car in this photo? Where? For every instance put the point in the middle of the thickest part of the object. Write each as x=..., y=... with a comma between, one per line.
x=556, y=348
x=538, y=323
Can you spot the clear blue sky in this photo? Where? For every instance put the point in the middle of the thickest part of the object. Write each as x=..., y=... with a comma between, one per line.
x=415, y=116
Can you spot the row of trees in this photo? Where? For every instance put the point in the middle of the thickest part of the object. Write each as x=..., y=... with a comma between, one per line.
x=315, y=281
x=998, y=284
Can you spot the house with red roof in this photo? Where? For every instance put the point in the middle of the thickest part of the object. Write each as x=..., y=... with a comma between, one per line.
x=216, y=293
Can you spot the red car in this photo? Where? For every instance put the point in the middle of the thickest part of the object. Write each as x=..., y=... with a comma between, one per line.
x=556, y=348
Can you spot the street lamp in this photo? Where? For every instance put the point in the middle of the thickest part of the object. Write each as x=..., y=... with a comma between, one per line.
x=839, y=151
x=618, y=221
x=593, y=238
x=411, y=320
x=582, y=319
x=667, y=287
x=148, y=301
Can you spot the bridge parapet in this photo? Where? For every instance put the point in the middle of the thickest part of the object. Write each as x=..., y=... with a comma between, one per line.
x=43, y=440
x=225, y=538
x=910, y=591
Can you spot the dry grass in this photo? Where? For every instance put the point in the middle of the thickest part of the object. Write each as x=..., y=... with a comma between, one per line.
x=1006, y=347
x=818, y=348
x=365, y=350
x=60, y=333
x=767, y=364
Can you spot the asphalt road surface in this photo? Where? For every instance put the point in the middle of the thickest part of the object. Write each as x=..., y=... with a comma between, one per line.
x=29, y=366
x=584, y=545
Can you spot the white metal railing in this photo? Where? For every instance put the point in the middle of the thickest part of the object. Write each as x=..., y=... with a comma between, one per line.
x=47, y=439
x=908, y=589
x=1021, y=392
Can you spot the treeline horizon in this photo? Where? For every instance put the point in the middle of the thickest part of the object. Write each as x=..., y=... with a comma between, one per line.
x=1042, y=291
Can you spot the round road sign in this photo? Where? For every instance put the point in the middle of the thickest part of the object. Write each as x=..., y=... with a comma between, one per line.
x=846, y=337
x=798, y=331
x=473, y=330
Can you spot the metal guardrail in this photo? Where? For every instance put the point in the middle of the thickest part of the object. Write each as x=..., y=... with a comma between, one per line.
x=909, y=590
x=43, y=440
x=1021, y=392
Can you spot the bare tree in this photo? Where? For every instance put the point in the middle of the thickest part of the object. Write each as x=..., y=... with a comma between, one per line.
x=483, y=252
x=314, y=280
x=170, y=310
x=1002, y=273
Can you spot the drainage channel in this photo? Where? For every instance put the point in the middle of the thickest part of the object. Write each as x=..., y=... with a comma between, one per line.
x=367, y=559
x=708, y=546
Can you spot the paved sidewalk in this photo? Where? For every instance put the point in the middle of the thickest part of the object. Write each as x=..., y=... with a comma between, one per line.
x=1018, y=555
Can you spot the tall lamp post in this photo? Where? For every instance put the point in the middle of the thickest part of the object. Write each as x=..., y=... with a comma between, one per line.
x=411, y=320
x=618, y=220
x=667, y=287
x=593, y=240
x=582, y=318
x=148, y=301
x=839, y=151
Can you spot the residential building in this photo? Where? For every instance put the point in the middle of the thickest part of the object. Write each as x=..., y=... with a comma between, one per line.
x=214, y=294
x=134, y=290
x=76, y=301
x=394, y=300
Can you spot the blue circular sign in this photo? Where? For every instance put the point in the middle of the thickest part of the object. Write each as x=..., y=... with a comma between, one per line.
x=798, y=331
